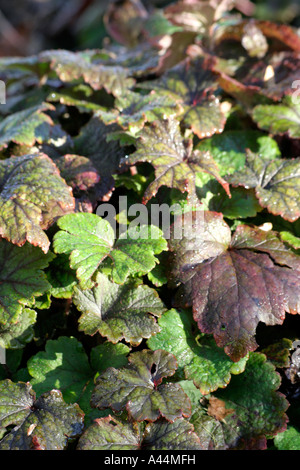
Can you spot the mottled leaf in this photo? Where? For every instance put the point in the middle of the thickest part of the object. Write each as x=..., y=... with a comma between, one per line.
x=110, y=434
x=218, y=274
x=276, y=184
x=78, y=172
x=46, y=423
x=73, y=66
x=16, y=335
x=104, y=156
x=279, y=118
x=118, y=311
x=32, y=196
x=197, y=355
x=179, y=435
x=279, y=352
x=89, y=239
x=26, y=127
x=174, y=160
x=192, y=84
x=21, y=278
x=133, y=110
x=139, y=388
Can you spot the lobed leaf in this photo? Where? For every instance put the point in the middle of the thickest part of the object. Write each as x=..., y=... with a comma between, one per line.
x=118, y=312
x=139, y=388
x=176, y=165
x=89, y=239
x=218, y=282
x=47, y=423
x=21, y=278
x=26, y=127
x=192, y=84
x=279, y=118
x=276, y=184
x=32, y=196
x=198, y=355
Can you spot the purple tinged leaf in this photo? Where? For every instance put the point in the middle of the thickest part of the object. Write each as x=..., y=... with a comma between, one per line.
x=139, y=388
x=32, y=196
x=238, y=287
x=175, y=163
x=46, y=423
x=192, y=84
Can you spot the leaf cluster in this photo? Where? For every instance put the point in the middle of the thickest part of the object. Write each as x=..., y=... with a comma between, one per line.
x=122, y=333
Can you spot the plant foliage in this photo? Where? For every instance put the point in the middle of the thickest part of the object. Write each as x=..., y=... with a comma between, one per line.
x=124, y=332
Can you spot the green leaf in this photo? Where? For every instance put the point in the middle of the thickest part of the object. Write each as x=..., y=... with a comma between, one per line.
x=288, y=439
x=229, y=148
x=21, y=278
x=16, y=335
x=64, y=366
x=74, y=66
x=139, y=388
x=276, y=184
x=45, y=423
x=291, y=239
x=89, y=239
x=118, y=311
x=244, y=414
x=133, y=110
x=242, y=204
x=191, y=85
x=179, y=435
x=109, y=354
x=61, y=277
x=199, y=357
x=253, y=395
x=279, y=118
x=217, y=279
x=26, y=127
x=175, y=163
x=110, y=434
x=32, y=196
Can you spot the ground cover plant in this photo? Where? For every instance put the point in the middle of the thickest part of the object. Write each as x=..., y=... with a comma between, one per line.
x=149, y=222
